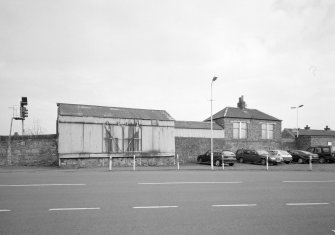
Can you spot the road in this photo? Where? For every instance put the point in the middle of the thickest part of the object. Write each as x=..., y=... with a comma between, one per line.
x=166, y=202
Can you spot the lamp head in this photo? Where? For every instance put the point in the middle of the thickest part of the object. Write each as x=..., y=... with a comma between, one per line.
x=214, y=78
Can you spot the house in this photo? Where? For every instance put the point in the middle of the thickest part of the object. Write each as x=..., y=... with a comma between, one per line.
x=248, y=128
x=308, y=137
x=88, y=135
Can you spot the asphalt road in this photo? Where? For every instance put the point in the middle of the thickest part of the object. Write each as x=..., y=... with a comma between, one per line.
x=166, y=202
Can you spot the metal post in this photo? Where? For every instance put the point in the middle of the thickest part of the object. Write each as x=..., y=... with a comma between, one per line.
x=212, y=166
x=9, y=149
x=134, y=166
x=22, y=127
x=110, y=162
x=222, y=162
x=177, y=161
x=267, y=163
x=310, y=163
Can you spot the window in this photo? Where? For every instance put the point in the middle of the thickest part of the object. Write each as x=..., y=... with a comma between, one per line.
x=123, y=138
x=267, y=131
x=239, y=130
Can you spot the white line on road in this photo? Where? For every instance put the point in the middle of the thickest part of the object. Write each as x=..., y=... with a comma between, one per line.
x=38, y=185
x=153, y=207
x=236, y=205
x=234, y=182
x=4, y=210
x=74, y=209
x=311, y=181
x=307, y=204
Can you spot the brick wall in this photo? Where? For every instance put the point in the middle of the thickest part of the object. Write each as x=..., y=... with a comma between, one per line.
x=40, y=150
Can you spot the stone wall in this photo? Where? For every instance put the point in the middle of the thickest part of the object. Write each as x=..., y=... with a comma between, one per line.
x=39, y=150
x=117, y=162
x=188, y=149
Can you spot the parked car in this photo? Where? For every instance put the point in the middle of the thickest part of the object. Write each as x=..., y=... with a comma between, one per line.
x=229, y=157
x=256, y=156
x=287, y=158
x=301, y=156
x=325, y=153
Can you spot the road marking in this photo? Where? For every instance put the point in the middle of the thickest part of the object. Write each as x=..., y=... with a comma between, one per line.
x=74, y=209
x=4, y=210
x=38, y=185
x=311, y=181
x=153, y=207
x=307, y=204
x=234, y=182
x=237, y=205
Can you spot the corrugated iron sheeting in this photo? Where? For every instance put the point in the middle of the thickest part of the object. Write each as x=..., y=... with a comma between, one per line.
x=112, y=112
x=196, y=125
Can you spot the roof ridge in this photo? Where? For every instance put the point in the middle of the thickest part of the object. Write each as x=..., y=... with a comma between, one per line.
x=100, y=106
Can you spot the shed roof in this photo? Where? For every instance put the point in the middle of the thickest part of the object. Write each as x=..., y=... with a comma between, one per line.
x=231, y=112
x=303, y=132
x=196, y=125
x=80, y=110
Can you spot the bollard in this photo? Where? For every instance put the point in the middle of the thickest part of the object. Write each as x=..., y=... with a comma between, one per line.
x=110, y=163
x=178, y=162
x=310, y=163
x=222, y=162
x=267, y=163
x=134, y=165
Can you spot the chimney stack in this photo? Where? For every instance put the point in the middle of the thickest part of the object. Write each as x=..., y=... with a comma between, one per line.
x=307, y=127
x=241, y=103
x=327, y=128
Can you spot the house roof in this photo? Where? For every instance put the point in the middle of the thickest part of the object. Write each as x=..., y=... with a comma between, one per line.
x=231, y=112
x=303, y=132
x=80, y=110
x=196, y=125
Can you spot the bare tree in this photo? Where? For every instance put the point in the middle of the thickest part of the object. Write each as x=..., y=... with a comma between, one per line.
x=36, y=129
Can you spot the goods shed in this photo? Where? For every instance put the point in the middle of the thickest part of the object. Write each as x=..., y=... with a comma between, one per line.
x=88, y=135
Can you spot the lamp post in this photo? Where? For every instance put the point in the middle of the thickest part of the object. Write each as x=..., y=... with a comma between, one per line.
x=297, y=108
x=213, y=80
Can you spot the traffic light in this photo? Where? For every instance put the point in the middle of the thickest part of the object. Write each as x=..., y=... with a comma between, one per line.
x=23, y=109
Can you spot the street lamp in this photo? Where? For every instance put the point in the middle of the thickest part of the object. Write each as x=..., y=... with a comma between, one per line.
x=213, y=80
x=297, y=108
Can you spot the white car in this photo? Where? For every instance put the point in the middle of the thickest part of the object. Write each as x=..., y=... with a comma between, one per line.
x=287, y=158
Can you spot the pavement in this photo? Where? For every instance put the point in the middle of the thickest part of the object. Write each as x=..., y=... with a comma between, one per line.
x=166, y=201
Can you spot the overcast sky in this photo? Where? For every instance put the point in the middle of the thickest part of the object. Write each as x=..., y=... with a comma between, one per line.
x=162, y=55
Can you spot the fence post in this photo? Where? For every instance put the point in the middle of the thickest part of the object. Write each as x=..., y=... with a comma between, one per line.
x=267, y=163
x=310, y=163
x=177, y=161
x=134, y=166
x=222, y=162
x=110, y=162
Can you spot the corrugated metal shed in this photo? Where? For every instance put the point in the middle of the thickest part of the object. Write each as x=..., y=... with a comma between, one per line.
x=196, y=125
x=80, y=110
x=231, y=112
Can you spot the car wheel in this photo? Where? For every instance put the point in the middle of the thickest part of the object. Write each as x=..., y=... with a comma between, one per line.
x=263, y=162
x=231, y=164
x=199, y=160
x=300, y=161
x=241, y=160
x=217, y=163
x=322, y=160
x=287, y=162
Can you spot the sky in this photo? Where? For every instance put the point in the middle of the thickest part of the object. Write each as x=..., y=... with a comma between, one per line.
x=154, y=54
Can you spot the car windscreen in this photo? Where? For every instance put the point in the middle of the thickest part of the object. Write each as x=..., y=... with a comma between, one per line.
x=284, y=152
x=261, y=152
x=228, y=153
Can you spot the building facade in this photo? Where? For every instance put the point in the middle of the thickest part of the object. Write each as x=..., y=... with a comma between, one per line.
x=89, y=135
x=248, y=128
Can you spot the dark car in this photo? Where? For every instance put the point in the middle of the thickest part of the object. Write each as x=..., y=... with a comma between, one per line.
x=256, y=156
x=325, y=153
x=229, y=157
x=301, y=156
